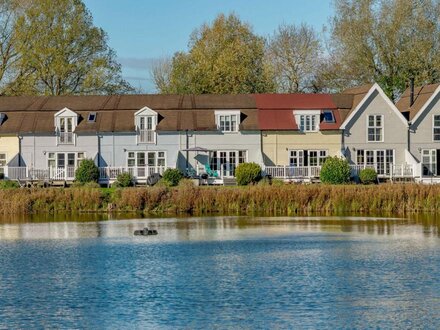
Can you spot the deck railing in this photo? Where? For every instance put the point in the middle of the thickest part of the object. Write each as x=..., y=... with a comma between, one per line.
x=293, y=172
x=299, y=172
x=138, y=172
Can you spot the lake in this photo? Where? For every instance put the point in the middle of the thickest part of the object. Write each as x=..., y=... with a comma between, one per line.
x=221, y=272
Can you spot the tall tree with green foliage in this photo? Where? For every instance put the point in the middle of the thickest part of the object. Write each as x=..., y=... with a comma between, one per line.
x=62, y=52
x=225, y=57
x=386, y=41
x=293, y=54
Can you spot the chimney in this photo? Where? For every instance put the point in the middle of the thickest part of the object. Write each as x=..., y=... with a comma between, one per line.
x=411, y=95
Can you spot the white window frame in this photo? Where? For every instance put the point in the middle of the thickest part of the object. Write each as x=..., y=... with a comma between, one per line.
x=382, y=127
x=312, y=115
x=5, y=159
x=146, y=152
x=435, y=127
x=78, y=159
x=375, y=155
x=65, y=114
x=228, y=115
x=144, y=134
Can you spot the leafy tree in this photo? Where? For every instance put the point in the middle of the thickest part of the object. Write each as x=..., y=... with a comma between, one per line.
x=247, y=173
x=387, y=41
x=87, y=172
x=224, y=57
x=293, y=54
x=61, y=52
x=335, y=170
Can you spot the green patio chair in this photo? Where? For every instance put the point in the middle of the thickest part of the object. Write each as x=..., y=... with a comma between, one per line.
x=210, y=172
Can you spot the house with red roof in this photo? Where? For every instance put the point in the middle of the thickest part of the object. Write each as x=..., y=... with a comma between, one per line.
x=299, y=131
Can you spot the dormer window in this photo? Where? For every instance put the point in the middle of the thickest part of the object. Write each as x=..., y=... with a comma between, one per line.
x=146, y=121
x=92, y=117
x=2, y=118
x=227, y=121
x=65, y=123
x=328, y=116
x=307, y=120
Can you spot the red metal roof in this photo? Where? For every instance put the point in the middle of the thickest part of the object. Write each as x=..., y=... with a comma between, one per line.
x=271, y=119
x=294, y=101
x=275, y=111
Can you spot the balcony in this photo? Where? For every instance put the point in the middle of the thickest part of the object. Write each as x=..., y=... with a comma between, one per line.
x=146, y=136
x=65, y=138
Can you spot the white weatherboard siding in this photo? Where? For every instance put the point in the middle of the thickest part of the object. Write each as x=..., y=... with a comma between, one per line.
x=35, y=148
x=421, y=136
x=250, y=141
x=114, y=147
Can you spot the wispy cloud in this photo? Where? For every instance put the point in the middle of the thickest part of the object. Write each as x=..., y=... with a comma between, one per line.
x=138, y=63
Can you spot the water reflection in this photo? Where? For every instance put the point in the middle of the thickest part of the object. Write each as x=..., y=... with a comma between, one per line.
x=216, y=228
x=221, y=272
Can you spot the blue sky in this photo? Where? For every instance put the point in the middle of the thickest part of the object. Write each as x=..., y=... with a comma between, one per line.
x=143, y=30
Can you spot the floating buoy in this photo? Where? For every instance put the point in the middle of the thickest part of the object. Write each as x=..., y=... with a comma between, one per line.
x=145, y=232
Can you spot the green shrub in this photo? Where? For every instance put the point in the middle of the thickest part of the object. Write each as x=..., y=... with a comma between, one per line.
x=172, y=176
x=7, y=184
x=335, y=170
x=247, y=173
x=87, y=172
x=124, y=180
x=368, y=175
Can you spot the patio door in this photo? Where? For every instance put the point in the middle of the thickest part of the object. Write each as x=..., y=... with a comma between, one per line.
x=296, y=158
x=429, y=162
x=227, y=161
x=65, y=165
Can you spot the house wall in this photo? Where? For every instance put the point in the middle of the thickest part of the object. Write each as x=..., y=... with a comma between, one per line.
x=216, y=141
x=421, y=136
x=394, y=133
x=34, y=148
x=114, y=147
x=10, y=145
x=276, y=144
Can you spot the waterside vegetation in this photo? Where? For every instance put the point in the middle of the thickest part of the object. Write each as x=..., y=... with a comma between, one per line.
x=262, y=199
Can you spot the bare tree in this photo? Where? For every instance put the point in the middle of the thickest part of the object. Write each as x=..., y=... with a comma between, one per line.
x=293, y=55
x=160, y=71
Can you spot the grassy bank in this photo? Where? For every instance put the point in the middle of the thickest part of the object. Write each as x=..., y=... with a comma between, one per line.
x=187, y=199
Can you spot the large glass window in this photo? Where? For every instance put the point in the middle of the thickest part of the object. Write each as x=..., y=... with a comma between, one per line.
x=146, y=158
x=436, y=128
x=308, y=123
x=429, y=162
x=65, y=135
x=146, y=129
x=381, y=160
x=375, y=128
x=228, y=123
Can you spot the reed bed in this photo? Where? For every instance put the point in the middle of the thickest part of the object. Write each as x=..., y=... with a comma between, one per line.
x=250, y=200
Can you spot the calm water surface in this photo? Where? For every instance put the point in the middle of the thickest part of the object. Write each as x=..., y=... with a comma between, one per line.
x=221, y=272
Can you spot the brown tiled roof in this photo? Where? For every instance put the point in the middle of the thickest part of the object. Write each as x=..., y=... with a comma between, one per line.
x=421, y=96
x=33, y=114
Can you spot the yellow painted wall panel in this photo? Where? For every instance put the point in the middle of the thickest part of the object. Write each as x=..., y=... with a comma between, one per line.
x=9, y=145
x=276, y=144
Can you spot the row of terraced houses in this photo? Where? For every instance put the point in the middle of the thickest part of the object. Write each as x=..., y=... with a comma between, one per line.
x=289, y=135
